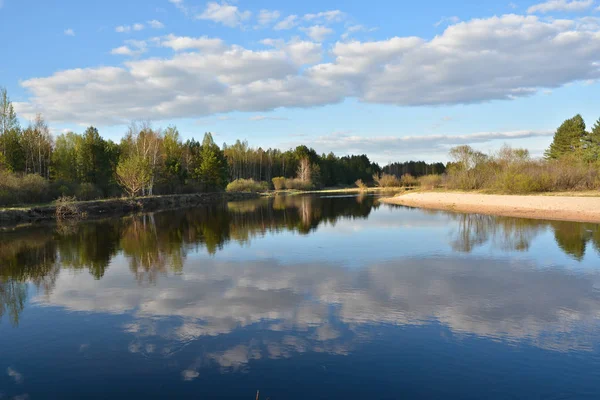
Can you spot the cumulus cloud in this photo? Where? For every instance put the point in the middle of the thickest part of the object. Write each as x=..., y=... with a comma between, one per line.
x=15, y=375
x=498, y=58
x=133, y=48
x=203, y=43
x=318, y=33
x=354, y=29
x=266, y=17
x=224, y=13
x=345, y=143
x=266, y=118
x=288, y=22
x=447, y=20
x=217, y=297
x=156, y=24
x=300, y=52
x=69, y=32
x=180, y=5
x=560, y=5
x=330, y=16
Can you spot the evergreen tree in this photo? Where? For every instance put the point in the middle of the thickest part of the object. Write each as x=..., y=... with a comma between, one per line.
x=592, y=144
x=568, y=139
x=212, y=170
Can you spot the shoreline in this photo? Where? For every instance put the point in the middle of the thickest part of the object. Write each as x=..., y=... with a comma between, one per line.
x=117, y=207
x=560, y=208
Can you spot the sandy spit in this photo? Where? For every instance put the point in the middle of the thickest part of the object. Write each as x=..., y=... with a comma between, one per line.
x=580, y=209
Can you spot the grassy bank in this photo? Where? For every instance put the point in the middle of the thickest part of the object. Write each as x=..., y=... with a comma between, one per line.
x=111, y=207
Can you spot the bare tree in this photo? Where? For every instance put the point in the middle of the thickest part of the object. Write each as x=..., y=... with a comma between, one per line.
x=304, y=170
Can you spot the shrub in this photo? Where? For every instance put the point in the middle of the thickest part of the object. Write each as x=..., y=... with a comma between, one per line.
x=408, y=180
x=386, y=180
x=247, y=185
x=15, y=189
x=88, y=191
x=279, y=183
x=361, y=185
x=298, y=184
x=430, y=181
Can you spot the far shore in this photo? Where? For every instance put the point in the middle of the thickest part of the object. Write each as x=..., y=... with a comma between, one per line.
x=566, y=207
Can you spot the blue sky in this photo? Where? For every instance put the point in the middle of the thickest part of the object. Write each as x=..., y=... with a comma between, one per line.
x=395, y=80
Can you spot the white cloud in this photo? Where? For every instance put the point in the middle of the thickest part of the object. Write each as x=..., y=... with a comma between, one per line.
x=300, y=52
x=318, y=33
x=15, y=375
x=266, y=17
x=447, y=20
x=135, y=27
x=155, y=24
x=498, y=58
x=402, y=146
x=69, y=32
x=203, y=43
x=224, y=13
x=330, y=16
x=560, y=5
x=180, y=5
x=513, y=6
x=134, y=48
x=288, y=22
x=354, y=29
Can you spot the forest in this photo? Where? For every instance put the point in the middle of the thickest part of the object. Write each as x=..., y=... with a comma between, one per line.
x=37, y=167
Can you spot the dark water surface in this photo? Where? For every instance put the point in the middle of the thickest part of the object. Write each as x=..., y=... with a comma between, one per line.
x=302, y=298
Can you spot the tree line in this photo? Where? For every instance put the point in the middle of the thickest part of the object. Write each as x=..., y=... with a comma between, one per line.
x=571, y=162
x=35, y=166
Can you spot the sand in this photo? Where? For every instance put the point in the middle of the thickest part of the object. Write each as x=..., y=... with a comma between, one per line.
x=565, y=208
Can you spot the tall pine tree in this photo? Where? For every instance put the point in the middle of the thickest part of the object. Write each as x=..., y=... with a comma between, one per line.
x=568, y=139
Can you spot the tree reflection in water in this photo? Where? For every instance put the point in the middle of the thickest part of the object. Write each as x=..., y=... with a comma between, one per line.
x=157, y=244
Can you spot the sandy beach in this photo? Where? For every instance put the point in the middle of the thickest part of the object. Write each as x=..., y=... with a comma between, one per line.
x=566, y=208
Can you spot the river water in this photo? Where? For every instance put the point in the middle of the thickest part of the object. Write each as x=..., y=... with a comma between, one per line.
x=301, y=297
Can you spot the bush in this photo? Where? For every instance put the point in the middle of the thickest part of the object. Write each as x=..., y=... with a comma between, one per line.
x=408, y=180
x=430, y=181
x=279, y=183
x=247, y=185
x=88, y=191
x=16, y=189
x=298, y=184
x=513, y=172
x=361, y=185
x=386, y=180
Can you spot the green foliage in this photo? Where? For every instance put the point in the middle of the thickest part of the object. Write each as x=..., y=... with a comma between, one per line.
x=133, y=174
x=512, y=171
x=247, y=185
x=212, y=169
x=88, y=191
x=16, y=189
x=414, y=168
x=568, y=139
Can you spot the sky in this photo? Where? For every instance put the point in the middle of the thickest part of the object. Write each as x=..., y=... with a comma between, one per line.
x=395, y=80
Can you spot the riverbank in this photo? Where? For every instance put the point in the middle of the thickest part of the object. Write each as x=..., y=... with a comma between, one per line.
x=116, y=207
x=563, y=208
